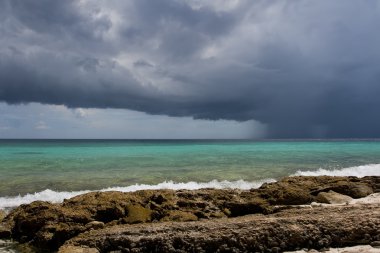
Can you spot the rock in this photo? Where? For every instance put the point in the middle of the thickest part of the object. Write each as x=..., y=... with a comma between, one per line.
x=177, y=215
x=27, y=220
x=2, y=215
x=354, y=249
x=94, y=225
x=332, y=197
x=5, y=232
x=75, y=249
x=137, y=214
x=349, y=186
x=303, y=190
x=375, y=244
x=361, y=190
x=288, y=191
x=318, y=228
x=4, y=243
x=47, y=226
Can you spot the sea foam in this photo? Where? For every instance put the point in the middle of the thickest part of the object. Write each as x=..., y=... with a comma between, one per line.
x=58, y=196
x=357, y=171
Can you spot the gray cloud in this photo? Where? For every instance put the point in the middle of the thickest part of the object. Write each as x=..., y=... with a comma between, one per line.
x=305, y=69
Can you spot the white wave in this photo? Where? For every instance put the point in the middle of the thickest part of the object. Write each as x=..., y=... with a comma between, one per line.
x=7, y=203
x=45, y=195
x=357, y=171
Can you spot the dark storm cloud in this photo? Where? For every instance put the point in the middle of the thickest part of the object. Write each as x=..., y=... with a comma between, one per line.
x=305, y=69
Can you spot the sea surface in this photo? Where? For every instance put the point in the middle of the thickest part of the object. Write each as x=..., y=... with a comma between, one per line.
x=56, y=169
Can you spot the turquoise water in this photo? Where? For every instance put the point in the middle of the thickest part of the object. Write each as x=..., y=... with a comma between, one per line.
x=74, y=165
x=53, y=170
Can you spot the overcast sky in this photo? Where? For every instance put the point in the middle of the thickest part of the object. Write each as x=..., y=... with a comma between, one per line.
x=189, y=69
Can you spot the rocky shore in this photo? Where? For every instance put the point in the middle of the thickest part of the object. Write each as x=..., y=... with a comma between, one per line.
x=282, y=216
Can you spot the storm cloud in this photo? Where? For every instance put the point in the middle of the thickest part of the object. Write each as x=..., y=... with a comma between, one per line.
x=302, y=68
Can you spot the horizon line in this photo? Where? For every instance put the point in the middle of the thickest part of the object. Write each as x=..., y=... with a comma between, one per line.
x=194, y=139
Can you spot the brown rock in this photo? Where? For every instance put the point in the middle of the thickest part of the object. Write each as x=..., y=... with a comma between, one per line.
x=48, y=226
x=361, y=190
x=5, y=232
x=289, y=191
x=75, y=249
x=137, y=214
x=2, y=215
x=346, y=185
x=257, y=205
x=332, y=197
x=94, y=225
x=29, y=219
x=291, y=229
x=177, y=215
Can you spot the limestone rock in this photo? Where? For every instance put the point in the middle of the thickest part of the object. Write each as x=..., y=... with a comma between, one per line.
x=332, y=197
x=309, y=228
x=361, y=191
x=94, y=225
x=354, y=249
x=2, y=215
x=137, y=214
x=75, y=249
x=177, y=215
x=5, y=232
x=47, y=226
x=375, y=244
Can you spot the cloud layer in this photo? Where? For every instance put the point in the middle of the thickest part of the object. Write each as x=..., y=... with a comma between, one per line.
x=56, y=121
x=303, y=68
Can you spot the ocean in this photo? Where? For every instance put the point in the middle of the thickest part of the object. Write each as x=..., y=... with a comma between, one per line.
x=53, y=170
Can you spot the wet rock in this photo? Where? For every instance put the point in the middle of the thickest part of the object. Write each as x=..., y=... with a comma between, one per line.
x=375, y=244
x=332, y=197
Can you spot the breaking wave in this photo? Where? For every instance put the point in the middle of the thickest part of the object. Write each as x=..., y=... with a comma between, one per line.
x=357, y=171
x=7, y=203
x=58, y=196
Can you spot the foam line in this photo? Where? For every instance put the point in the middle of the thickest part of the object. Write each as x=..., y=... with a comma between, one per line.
x=57, y=197
x=357, y=171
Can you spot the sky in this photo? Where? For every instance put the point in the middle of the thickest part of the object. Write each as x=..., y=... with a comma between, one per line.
x=189, y=69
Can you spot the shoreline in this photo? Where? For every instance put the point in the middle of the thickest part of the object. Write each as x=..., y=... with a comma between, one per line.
x=286, y=206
